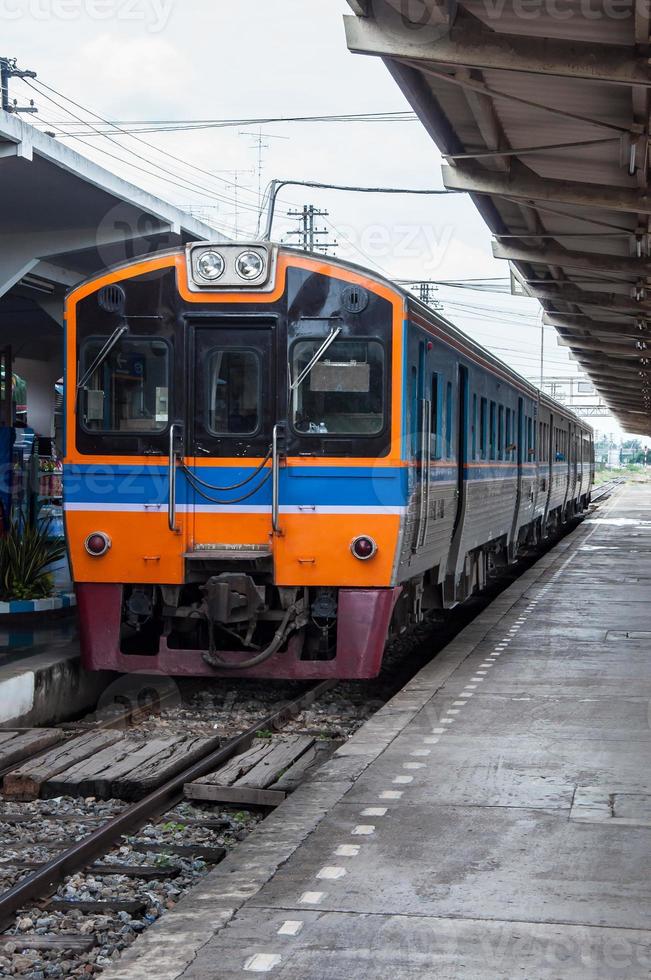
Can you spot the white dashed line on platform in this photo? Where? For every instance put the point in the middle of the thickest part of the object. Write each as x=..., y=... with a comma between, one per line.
x=312, y=898
x=331, y=872
x=262, y=962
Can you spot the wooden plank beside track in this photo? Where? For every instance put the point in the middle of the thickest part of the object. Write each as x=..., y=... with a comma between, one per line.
x=168, y=763
x=239, y=765
x=25, y=782
x=249, y=777
x=26, y=744
x=94, y=776
x=309, y=762
x=130, y=768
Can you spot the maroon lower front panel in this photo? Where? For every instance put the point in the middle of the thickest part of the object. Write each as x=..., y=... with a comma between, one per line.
x=363, y=622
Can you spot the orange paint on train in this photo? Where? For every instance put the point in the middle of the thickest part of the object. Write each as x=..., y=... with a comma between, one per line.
x=313, y=549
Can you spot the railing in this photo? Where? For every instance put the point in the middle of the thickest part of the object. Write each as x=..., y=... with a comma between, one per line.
x=171, y=503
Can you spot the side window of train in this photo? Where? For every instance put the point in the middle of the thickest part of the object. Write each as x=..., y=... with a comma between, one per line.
x=448, y=419
x=500, y=432
x=483, y=434
x=473, y=427
x=413, y=420
x=491, y=429
x=508, y=435
x=434, y=440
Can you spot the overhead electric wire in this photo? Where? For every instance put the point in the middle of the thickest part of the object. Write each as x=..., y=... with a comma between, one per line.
x=193, y=125
x=150, y=173
x=191, y=185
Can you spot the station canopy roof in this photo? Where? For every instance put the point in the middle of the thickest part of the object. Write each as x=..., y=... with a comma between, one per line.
x=64, y=218
x=541, y=111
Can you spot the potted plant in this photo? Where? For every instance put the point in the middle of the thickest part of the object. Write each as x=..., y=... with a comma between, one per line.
x=27, y=553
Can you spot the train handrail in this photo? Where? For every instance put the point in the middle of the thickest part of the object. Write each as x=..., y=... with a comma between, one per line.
x=275, y=478
x=171, y=500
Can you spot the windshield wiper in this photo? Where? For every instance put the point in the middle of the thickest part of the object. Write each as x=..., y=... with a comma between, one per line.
x=332, y=336
x=103, y=354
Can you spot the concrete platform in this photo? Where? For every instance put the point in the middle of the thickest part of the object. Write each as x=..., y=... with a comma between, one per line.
x=41, y=678
x=492, y=821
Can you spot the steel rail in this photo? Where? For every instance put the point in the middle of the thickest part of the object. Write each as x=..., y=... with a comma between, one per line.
x=600, y=493
x=46, y=879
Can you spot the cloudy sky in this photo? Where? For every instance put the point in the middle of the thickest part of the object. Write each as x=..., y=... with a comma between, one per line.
x=128, y=60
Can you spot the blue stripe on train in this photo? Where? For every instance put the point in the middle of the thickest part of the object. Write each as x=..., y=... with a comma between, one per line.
x=320, y=485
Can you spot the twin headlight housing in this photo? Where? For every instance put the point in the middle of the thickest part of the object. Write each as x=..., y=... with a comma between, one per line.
x=230, y=266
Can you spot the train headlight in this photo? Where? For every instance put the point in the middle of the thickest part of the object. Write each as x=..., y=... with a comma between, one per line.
x=249, y=265
x=217, y=266
x=97, y=544
x=363, y=547
x=210, y=265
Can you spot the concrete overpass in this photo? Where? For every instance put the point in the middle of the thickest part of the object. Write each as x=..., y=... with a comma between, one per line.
x=541, y=111
x=63, y=218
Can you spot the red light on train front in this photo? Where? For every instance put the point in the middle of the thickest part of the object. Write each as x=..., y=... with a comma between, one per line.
x=363, y=547
x=97, y=544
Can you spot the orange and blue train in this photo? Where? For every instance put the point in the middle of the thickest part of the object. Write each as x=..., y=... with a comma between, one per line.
x=274, y=461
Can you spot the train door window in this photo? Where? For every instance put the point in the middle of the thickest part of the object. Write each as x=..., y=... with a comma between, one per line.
x=500, y=432
x=448, y=420
x=434, y=440
x=473, y=426
x=128, y=391
x=491, y=429
x=233, y=391
x=483, y=411
x=530, y=446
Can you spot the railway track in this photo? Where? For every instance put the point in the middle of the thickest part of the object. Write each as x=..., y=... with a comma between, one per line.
x=37, y=887
x=604, y=491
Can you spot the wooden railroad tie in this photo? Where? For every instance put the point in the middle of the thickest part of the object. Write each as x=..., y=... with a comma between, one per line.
x=16, y=746
x=264, y=774
x=106, y=765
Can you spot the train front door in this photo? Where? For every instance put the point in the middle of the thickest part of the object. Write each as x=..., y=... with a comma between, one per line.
x=230, y=428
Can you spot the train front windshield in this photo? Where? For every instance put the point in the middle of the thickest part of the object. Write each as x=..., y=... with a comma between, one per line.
x=343, y=393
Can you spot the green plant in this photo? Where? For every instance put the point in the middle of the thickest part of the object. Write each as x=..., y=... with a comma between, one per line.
x=25, y=555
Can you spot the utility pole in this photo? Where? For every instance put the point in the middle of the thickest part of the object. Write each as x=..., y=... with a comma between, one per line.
x=426, y=290
x=9, y=69
x=307, y=230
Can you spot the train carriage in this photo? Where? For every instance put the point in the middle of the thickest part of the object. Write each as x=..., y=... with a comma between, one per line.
x=273, y=459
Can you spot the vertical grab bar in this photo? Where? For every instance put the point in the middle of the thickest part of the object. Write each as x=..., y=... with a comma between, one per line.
x=171, y=502
x=420, y=537
x=428, y=481
x=275, y=479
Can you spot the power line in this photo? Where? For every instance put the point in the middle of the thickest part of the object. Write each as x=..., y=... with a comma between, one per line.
x=276, y=185
x=192, y=186
x=130, y=126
